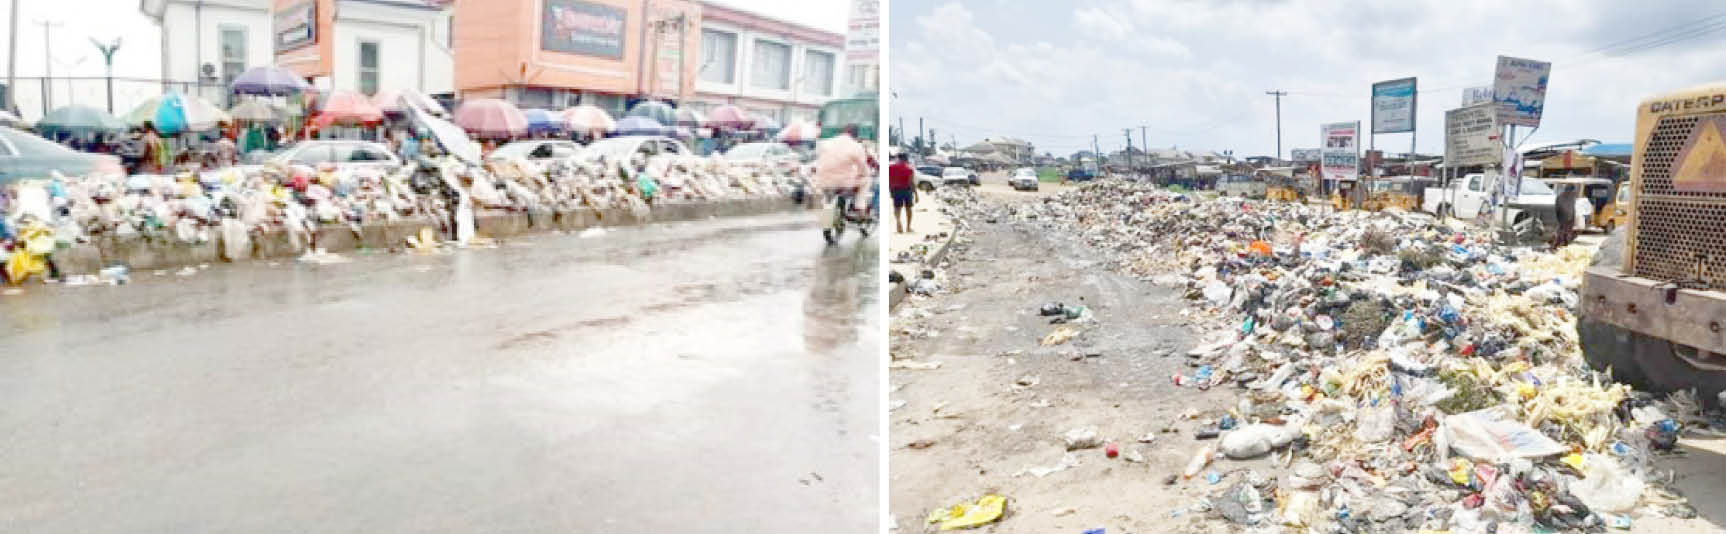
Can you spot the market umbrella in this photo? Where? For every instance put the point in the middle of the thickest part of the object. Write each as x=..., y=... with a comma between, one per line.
x=660, y=112
x=540, y=120
x=765, y=124
x=348, y=107
x=690, y=117
x=640, y=126
x=256, y=110
x=800, y=131
x=589, y=120
x=273, y=81
x=491, y=118
x=79, y=120
x=729, y=116
x=398, y=100
x=448, y=135
x=173, y=112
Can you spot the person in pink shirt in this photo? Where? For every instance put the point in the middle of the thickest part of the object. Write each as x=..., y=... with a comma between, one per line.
x=841, y=165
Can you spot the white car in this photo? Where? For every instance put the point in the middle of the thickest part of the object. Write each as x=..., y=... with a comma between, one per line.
x=628, y=147
x=769, y=155
x=345, y=154
x=956, y=175
x=1023, y=179
x=538, y=150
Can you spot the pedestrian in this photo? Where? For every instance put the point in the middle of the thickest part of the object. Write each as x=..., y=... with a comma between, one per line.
x=1566, y=209
x=901, y=184
x=156, y=156
x=227, y=153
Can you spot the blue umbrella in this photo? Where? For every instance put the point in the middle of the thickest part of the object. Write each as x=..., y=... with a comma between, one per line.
x=639, y=126
x=540, y=120
x=79, y=120
x=269, y=81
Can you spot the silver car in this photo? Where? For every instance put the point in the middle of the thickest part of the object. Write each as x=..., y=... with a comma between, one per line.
x=538, y=150
x=23, y=155
x=1023, y=179
x=627, y=147
x=345, y=154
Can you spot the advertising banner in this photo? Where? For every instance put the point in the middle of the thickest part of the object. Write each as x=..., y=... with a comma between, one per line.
x=1304, y=155
x=1476, y=95
x=576, y=27
x=296, y=26
x=1393, y=106
x=863, y=32
x=1471, y=136
x=1341, y=154
x=1519, y=89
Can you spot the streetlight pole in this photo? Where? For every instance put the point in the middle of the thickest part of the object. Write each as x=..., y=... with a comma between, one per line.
x=1279, y=96
x=12, y=61
x=47, y=62
x=108, y=57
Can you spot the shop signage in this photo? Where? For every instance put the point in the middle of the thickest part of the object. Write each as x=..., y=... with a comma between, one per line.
x=586, y=28
x=1393, y=106
x=1476, y=95
x=1519, y=89
x=296, y=26
x=1471, y=136
x=1304, y=155
x=1340, y=156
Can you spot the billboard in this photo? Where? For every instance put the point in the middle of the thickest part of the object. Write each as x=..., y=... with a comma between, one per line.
x=863, y=31
x=296, y=26
x=1304, y=155
x=1471, y=135
x=1519, y=89
x=1340, y=156
x=1476, y=95
x=576, y=27
x=1393, y=106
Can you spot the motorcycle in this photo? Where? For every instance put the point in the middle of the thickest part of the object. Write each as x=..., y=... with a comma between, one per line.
x=845, y=213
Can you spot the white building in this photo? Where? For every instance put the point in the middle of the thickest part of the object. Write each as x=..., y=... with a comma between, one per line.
x=205, y=43
x=766, y=66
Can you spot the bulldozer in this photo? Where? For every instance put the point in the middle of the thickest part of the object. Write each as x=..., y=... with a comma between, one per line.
x=1653, y=300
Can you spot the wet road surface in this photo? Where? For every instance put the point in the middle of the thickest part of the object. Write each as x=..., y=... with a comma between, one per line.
x=712, y=376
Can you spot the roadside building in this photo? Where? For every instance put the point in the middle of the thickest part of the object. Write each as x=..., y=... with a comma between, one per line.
x=206, y=43
x=366, y=45
x=769, y=67
x=561, y=53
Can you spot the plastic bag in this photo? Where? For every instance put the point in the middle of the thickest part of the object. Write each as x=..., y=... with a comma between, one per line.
x=1609, y=486
x=1490, y=435
x=970, y=515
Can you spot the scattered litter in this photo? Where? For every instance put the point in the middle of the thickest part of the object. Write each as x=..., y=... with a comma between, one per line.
x=1083, y=438
x=1059, y=336
x=1068, y=461
x=985, y=510
x=914, y=365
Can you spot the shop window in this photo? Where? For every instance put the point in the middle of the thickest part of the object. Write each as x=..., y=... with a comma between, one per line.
x=772, y=66
x=718, y=56
x=368, y=68
x=818, y=73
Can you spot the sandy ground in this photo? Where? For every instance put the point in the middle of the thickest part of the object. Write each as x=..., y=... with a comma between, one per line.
x=969, y=427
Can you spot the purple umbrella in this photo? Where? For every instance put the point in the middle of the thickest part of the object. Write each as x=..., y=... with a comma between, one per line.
x=639, y=126
x=274, y=81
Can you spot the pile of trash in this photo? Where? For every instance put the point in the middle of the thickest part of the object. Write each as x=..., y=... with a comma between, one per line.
x=1400, y=371
x=194, y=207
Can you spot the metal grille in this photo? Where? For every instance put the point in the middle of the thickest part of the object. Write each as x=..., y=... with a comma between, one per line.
x=1680, y=235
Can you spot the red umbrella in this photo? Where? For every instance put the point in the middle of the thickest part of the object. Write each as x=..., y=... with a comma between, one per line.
x=729, y=116
x=491, y=118
x=589, y=120
x=347, y=107
x=800, y=131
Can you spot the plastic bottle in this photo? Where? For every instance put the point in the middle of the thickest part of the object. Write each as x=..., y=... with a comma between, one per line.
x=1199, y=461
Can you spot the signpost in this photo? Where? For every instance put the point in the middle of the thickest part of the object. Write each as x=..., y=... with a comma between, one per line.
x=1476, y=95
x=1471, y=136
x=1519, y=89
x=1304, y=155
x=1340, y=156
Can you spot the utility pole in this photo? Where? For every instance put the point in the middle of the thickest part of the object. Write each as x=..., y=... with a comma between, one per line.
x=1145, y=143
x=1279, y=96
x=902, y=142
x=1096, y=153
x=920, y=139
x=47, y=62
x=1129, y=133
x=12, y=62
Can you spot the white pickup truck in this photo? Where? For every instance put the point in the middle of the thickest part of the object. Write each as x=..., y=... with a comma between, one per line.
x=1467, y=197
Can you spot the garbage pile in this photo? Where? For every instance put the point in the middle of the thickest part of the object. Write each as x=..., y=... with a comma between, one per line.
x=1400, y=372
x=193, y=207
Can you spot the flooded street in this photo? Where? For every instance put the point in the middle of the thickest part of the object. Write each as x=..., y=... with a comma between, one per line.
x=712, y=376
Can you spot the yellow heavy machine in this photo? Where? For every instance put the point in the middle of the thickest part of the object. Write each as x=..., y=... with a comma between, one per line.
x=1653, y=303
x=1281, y=188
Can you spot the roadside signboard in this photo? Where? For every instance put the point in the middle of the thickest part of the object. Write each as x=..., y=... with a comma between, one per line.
x=586, y=28
x=1471, y=136
x=1341, y=153
x=296, y=26
x=1304, y=155
x=1476, y=95
x=1519, y=89
x=1393, y=106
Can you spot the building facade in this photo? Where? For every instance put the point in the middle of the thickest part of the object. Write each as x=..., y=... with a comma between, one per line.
x=366, y=45
x=766, y=66
x=206, y=43
x=561, y=53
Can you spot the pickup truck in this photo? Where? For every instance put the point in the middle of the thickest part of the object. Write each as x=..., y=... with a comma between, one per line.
x=1530, y=213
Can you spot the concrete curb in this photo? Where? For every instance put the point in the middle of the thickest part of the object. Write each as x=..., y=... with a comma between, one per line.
x=139, y=253
x=899, y=291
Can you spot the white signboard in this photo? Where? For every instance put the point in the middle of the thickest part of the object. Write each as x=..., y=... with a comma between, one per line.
x=1393, y=106
x=1476, y=95
x=1340, y=155
x=1519, y=89
x=1471, y=136
x=863, y=33
x=1304, y=155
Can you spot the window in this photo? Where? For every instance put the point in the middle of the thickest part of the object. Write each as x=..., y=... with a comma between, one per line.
x=368, y=68
x=818, y=73
x=233, y=53
x=772, y=68
x=1474, y=183
x=313, y=155
x=718, y=56
x=363, y=153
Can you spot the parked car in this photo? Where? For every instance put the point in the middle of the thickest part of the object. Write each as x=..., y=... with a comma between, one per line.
x=956, y=175
x=1080, y=174
x=24, y=155
x=1023, y=179
x=628, y=146
x=538, y=150
x=769, y=155
x=345, y=154
x=927, y=177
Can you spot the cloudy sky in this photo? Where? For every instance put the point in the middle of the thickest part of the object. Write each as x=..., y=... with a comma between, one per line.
x=1195, y=72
